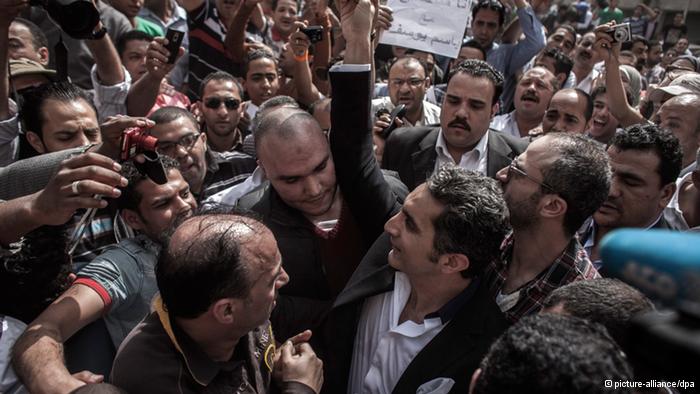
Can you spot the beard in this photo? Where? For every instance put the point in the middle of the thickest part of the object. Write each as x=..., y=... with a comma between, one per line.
x=523, y=214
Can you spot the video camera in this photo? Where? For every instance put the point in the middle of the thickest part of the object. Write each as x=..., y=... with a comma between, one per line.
x=77, y=18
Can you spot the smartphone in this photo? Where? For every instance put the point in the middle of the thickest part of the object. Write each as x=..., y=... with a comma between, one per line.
x=315, y=33
x=398, y=112
x=174, y=40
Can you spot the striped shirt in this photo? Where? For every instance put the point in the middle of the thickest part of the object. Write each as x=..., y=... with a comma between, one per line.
x=207, y=52
x=225, y=169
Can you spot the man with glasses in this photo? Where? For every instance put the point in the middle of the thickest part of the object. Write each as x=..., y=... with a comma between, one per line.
x=206, y=171
x=219, y=107
x=550, y=190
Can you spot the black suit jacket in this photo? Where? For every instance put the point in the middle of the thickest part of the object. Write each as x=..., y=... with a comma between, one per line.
x=456, y=351
x=411, y=152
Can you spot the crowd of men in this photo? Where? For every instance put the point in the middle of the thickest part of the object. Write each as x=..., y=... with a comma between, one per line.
x=286, y=233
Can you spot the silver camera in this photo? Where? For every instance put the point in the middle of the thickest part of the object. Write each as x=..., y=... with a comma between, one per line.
x=620, y=33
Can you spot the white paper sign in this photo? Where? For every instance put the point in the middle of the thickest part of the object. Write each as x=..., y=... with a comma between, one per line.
x=435, y=26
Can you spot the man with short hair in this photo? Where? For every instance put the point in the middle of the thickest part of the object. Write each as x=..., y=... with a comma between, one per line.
x=654, y=71
x=564, y=38
x=28, y=41
x=550, y=189
x=603, y=124
x=639, y=46
x=463, y=138
x=470, y=49
x=683, y=211
x=568, y=111
x=487, y=20
x=532, y=96
x=218, y=280
x=261, y=79
x=609, y=302
x=206, y=171
x=407, y=85
x=645, y=161
x=411, y=319
x=584, y=60
x=681, y=116
x=118, y=285
x=551, y=354
x=559, y=64
x=220, y=101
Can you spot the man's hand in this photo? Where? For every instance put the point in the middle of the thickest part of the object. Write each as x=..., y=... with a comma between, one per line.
x=383, y=19
x=300, y=364
x=157, y=58
x=78, y=179
x=298, y=41
x=380, y=124
x=88, y=377
x=356, y=18
x=113, y=129
x=9, y=9
x=605, y=48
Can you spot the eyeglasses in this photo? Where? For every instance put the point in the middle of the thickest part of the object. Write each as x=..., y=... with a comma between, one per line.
x=414, y=82
x=215, y=103
x=513, y=167
x=168, y=148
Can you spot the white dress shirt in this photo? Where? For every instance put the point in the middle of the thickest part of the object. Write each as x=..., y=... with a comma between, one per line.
x=474, y=160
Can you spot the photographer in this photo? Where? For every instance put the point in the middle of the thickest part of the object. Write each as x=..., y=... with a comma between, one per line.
x=118, y=285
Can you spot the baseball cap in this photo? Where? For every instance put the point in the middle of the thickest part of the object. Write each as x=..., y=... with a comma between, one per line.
x=686, y=83
x=20, y=67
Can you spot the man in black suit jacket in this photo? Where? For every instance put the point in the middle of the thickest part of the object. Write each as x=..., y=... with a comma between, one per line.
x=463, y=137
x=437, y=245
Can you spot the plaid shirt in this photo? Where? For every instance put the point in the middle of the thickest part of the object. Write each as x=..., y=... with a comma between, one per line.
x=571, y=266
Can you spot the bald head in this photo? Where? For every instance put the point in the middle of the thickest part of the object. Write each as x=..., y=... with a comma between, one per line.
x=286, y=123
x=568, y=111
x=206, y=260
x=681, y=116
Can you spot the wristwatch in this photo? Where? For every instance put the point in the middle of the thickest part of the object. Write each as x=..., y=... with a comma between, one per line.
x=96, y=35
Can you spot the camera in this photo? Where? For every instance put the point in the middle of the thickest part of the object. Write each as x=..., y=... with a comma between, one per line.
x=136, y=141
x=620, y=33
x=77, y=18
x=315, y=33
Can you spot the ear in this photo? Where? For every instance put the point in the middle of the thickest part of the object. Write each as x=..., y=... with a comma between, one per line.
x=494, y=109
x=666, y=194
x=44, y=56
x=453, y=263
x=35, y=141
x=204, y=138
x=262, y=168
x=224, y=310
x=427, y=83
x=475, y=377
x=552, y=206
x=133, y=219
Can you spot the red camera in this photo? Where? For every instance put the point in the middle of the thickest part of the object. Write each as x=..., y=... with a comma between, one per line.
x=135, y=141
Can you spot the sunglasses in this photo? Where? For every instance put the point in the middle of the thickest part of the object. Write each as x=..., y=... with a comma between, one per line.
x=215, y=103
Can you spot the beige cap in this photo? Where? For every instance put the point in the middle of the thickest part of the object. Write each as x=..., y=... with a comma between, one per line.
x=21, y=67
x=686, y=83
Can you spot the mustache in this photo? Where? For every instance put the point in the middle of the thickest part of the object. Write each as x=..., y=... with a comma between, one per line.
x=530, y=95
x=460, y=123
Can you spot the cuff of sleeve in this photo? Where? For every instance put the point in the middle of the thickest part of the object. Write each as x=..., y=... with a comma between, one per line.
x=351, y=68
x=101, y=291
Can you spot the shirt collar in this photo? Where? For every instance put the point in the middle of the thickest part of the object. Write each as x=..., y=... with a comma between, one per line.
x=480, y=148
x=449, y=310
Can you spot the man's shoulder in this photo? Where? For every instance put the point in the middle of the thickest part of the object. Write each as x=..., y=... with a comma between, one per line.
x=516, y=144
x=406, y=136
x=147, y=357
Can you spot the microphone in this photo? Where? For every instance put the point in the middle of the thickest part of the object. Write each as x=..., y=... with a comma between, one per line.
x=663, y=264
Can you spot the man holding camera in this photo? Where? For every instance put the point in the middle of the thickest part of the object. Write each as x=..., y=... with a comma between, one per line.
x=118, y=285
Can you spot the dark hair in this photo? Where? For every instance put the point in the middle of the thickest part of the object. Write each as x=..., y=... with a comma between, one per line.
x=275, y=2
x=171, y=114
x=39, y=39
x=479, y=69
x=649, y=137
x=653, y=43
x=609, y=302
x=130, y=197
x=581, y=175
x=552, y=354
x=493, y=5
x=131, y=35
x=409, y=59
x=563, y=64
x=205, y=267
x=475, y=219
x=569, y=29
x=33, y=100
x=219, y=76
x=627, y=45
x=33, y=277
x=474, y=44
x=255, y=55
x=589, y=103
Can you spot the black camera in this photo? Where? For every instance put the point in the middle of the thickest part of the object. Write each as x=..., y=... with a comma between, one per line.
x=138, y=141
x=77, y=18
x=620, y=33
x=315, y=33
